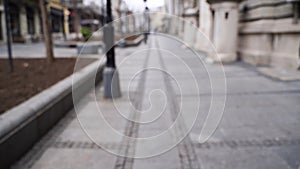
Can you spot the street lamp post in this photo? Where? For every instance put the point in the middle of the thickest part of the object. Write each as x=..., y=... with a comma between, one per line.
x=146, y=22
x=110, y=73
x=8, y=35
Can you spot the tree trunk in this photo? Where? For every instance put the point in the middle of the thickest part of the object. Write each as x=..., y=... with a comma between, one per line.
x=47, y=32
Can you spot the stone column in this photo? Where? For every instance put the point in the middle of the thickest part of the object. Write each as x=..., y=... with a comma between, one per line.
x=3, y=24
x=66, y=22
x=205, y=18
x=170, y=7
x=37, y=24
x=180, y=14
x=225, y=29
x=23, y=24
x=203, y=34
x=176, y=7
x=175, y=20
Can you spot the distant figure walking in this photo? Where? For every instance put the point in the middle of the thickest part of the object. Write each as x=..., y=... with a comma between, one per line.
x=146, y=24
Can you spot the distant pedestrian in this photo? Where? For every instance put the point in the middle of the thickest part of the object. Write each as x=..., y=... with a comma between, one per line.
x=146, y=24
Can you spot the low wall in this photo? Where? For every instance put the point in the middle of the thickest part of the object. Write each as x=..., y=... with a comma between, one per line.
x=22, y=126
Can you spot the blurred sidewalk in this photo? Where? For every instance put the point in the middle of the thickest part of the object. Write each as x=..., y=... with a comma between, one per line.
x=259, y=128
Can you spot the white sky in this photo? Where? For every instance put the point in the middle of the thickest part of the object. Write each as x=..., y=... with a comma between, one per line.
x=135, y=5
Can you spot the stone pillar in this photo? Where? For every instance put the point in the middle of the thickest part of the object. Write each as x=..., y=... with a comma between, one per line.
x=37, y=24
x=23, y=24
x=225, y=29
x=170, y=7
x=176, y=7
x=180, y=14
x=205, y=19
x=66, y=22
x=3, y=24
x=189, y=33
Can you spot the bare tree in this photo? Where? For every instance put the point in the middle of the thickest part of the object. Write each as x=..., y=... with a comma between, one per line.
x=47, y=31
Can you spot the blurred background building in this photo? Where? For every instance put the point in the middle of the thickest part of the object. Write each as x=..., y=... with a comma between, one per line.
x=260, y=32
x=269, y=33
x=25, y=18
x=25, y=21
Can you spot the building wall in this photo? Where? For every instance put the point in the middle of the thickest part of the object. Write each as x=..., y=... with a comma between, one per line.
x=26, y=27
x=268, y=35
x=20, y=31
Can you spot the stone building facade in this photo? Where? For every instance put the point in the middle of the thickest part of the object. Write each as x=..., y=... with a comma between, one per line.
x=269, y=33
x=259, y=32
x=24, y=21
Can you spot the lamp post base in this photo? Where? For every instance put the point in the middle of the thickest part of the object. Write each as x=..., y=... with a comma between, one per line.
x=111, y=83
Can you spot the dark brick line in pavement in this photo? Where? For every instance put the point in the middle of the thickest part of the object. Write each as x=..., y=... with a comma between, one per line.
x=187, y=155
x=81, y=145
x=264, y=143
x=280, y=92
x=131, y=130
x=297, y=91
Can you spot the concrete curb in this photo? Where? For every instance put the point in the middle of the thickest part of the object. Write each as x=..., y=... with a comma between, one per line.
x=22, y=126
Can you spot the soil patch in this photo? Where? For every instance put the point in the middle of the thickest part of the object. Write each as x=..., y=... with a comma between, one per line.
x=30, y=77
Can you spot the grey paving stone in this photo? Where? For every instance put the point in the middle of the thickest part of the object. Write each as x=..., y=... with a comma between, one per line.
x=259, y=128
